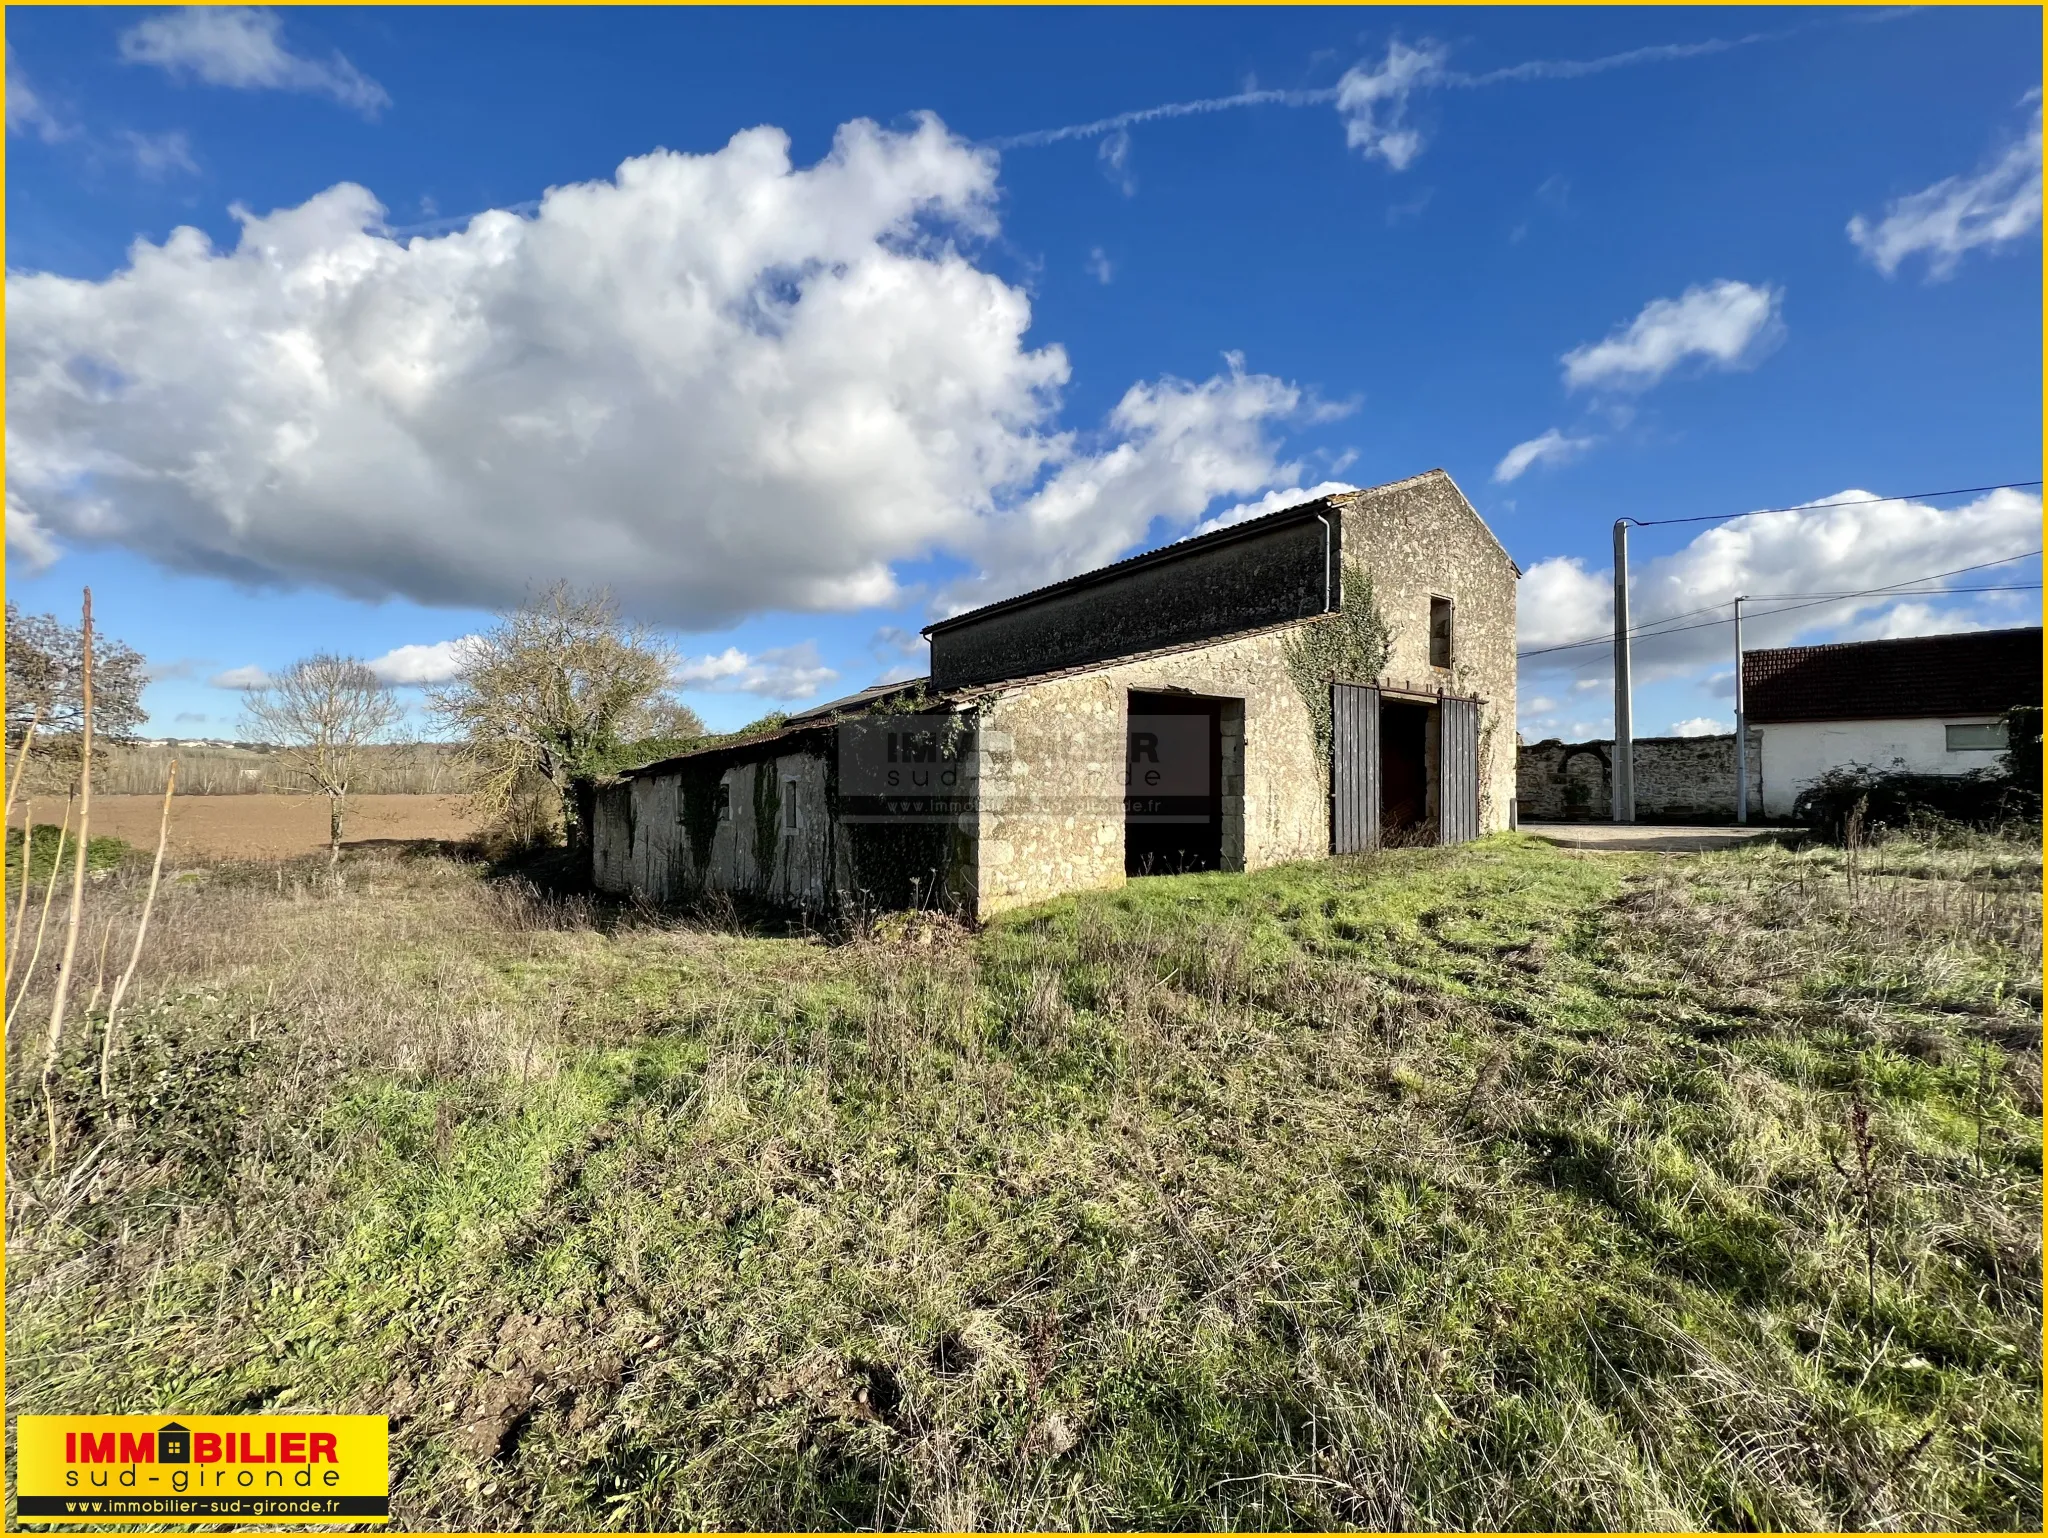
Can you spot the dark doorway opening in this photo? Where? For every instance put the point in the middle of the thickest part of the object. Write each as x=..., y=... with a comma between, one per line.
x=1404, y=771
x=1173, y=785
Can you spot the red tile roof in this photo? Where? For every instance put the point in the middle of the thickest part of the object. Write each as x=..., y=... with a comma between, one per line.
x=1977, y=673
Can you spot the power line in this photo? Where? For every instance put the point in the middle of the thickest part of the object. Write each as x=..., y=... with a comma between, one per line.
x=1808, y=507
x=1652, y=625
x=1608, y=640
x=1933, y=592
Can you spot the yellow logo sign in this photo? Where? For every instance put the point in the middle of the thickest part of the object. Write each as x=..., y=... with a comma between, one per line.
x=202, y=1468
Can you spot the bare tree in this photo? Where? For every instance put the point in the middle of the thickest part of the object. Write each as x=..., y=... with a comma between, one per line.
x=671, y=720
x=556, y=689
x=324, y=714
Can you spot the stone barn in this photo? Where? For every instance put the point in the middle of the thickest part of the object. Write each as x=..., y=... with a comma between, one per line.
x=1162, y=714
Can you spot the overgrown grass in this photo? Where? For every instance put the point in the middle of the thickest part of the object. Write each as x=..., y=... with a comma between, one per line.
x=1500, y=1187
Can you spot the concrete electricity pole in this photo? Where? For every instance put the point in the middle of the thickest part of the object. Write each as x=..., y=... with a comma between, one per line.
x=1741, y=728
x=1624, y=725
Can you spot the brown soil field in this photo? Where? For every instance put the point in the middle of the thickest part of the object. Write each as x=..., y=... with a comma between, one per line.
x=265, y=827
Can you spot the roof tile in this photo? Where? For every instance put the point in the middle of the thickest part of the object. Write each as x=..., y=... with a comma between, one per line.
x=1975, y=673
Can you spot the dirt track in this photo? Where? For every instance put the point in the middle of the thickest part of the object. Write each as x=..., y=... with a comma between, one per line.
x=264, y=827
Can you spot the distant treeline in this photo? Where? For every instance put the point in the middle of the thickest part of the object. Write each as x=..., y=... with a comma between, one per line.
x=218, y=769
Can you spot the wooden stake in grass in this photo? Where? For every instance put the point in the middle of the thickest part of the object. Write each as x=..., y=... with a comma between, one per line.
x=156, y=870
x=21, y=759
x=43, y=923
x=28, y=830
x=99, y=970
x=60, y=995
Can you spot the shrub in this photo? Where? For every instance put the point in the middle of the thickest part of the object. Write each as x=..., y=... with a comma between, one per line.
x=2022, y=761
x=1891, y=800
x=101, y=852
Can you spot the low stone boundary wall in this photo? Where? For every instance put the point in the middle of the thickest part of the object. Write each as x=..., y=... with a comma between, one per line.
x=1678, y=779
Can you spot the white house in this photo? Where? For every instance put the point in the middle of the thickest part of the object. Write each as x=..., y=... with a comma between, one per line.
x=1923, y=704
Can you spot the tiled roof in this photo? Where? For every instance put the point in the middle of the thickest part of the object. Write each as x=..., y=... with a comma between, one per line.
x=1976, y=673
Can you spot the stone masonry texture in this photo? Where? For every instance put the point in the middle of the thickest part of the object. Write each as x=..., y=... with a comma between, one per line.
x=1678, y=779
x=1052, y=750
x=1047, y=762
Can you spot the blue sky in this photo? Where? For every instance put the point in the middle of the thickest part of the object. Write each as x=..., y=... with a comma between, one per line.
x=842, y=319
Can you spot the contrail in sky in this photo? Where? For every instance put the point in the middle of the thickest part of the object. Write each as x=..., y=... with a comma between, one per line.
x=1534, y=69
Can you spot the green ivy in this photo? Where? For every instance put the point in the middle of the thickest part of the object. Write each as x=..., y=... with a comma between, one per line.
x=767, y=819
x=698, y=783
x=1350, y=645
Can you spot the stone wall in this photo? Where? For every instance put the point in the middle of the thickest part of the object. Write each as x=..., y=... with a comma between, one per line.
x=1678, y=779
x=1046, y=787
x=1052, y=751
x=1052, y=761
x=1421, y=539
x=644, y=840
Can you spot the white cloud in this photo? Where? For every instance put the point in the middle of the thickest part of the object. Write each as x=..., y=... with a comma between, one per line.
x=1114, y=155
x=1558, y=600
x=27, y=112
x=780, y=673
x=435, y=663
x=1917, y=618
x=1586, y=685
x=1271, y=502
x=1998, y=205
x=1099, y=267
x=244, y=48
x=160, y=154
x=1551, y=448
x=1700, y=726
x=719, y=383
x=1182, y=446
x=1373, y=101
x=1727, y=325
x=249, y=677
x=1862, y=544
x=28, y=542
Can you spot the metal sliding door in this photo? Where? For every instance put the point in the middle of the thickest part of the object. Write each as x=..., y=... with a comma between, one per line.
x=1354, y=768
x=1458, y=772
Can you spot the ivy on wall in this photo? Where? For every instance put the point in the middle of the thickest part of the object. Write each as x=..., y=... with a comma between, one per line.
x=699, y=789
x=767, y=820
x=1350, y=645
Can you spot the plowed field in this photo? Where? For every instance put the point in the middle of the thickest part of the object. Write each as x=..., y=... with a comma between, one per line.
x=264, y=827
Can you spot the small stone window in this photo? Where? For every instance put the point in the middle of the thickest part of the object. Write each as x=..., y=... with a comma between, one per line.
x=1439, y=632
x=1977, y=737
x=789, y=808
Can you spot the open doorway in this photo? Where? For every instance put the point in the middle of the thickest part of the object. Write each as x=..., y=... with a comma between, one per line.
x=1407, y=812
x=1173, y=784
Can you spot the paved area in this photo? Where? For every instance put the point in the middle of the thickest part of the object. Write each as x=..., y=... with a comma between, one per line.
x=1657, y=837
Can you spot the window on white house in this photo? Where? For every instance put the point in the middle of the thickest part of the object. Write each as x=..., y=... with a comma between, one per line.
x=1439, y=632
x=1976, y=737
x=789, y=808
